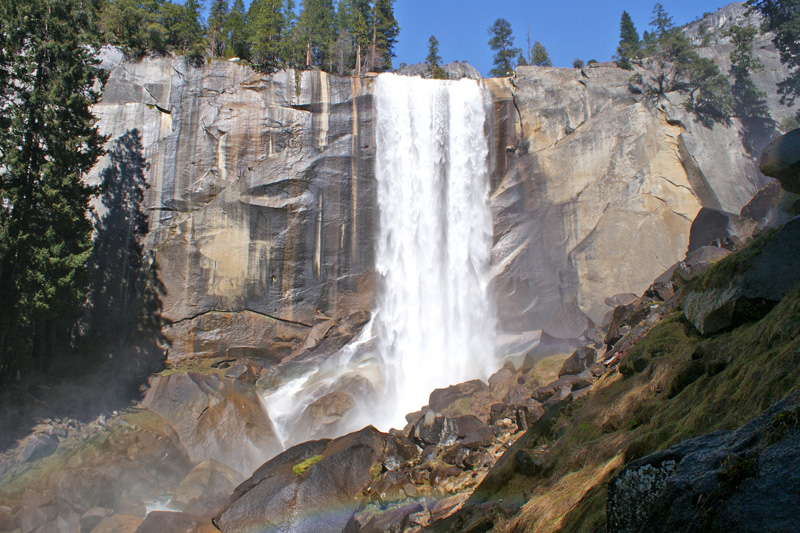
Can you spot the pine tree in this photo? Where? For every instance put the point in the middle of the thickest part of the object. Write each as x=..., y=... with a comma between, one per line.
x=188, y=32
x=502, y=42
x=539, y=56
x=434, y=59
x=662, y=23
x=217, y=28
x=384, y=31
x=48, y=142
x=265, y=24
x=236, y=28
x=629, y=43
x=343, y=46
x=316, y=32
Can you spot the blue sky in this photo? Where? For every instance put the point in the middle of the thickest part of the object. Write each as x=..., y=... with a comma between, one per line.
x=569, y=29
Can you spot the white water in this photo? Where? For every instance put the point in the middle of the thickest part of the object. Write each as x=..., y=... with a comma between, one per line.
x=435, y=322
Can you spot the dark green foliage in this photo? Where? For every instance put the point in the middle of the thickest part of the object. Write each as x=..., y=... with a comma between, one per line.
x=661, y=22
x=433, y=59
x=539, y=55
x=783, y=18
x=217, y=28
x=630, y=46
x=316, y=33
x=265, y=27
x=48, y=142
x=675, y=66
x=236, y=29
x=384, y=31
x=577, y=63
x=502, y=42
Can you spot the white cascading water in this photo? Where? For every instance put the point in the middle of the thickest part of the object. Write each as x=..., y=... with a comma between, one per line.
x=434, y=321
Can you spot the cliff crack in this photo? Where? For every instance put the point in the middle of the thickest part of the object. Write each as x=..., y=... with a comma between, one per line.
x=226, y=312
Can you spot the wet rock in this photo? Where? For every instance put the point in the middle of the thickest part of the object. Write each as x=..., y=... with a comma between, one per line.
x=501, y=376
x=206, y=489
x=118, y=524
x=619, y=325
x=517, y=394
x=392, y=521
x=580, y=360
x=742, y=480
x=323, y=416
x=429, y=453
x=436, y=429
x=309, y=480
x=393, y=463
x=213, y=415
x=528, y=463
x=446, y=506
x=94, y=516
x=443, y=398
x=171, y=522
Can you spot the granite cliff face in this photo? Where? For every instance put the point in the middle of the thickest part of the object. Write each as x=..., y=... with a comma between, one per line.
x=261, y=199
x=262, y=205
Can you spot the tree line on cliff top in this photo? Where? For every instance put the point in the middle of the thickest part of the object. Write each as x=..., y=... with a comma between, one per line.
x=351, y=36
x=674, y=65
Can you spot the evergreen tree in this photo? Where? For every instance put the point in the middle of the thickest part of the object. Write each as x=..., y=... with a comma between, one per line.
x=265, y=25
x=783, y=18
x=521, y=61
x=359, y=30
x=316, y=33
x=502, y=42
x=217, y=28
x=384, y=31
x=629, y=43
x=662, y=23
x=343, y=46
x=236, y=28
x=48, y=142
x=577, y=63
x=539, y=55
x=188, y=34
x=434, y=59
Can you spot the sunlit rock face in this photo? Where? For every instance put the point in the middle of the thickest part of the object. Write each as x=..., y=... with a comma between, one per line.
x=596, y=188
x=261, y=199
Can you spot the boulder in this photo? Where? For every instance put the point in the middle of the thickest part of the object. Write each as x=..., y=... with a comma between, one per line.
x=742, y=480
x=308, y=488
x=699, y=260
x=212, y=415
x=118, y=524
x=781, y=160
x=759, y=277
x=621, y=299
x=206, y=489
x=442, y=398
x=569, y=322
x=712, y=226
x=580, y=360
x=436, y=429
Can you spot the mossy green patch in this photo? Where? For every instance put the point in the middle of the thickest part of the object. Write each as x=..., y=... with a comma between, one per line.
x=302, y=466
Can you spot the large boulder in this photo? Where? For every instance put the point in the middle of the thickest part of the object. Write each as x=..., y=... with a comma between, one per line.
x=742, y=480
x=781, y=160
x=748, y=284
x=213, y=416
x=311, y=487
x=714, y=226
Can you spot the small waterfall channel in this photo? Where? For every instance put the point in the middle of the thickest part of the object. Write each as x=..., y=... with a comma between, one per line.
x=434, y=322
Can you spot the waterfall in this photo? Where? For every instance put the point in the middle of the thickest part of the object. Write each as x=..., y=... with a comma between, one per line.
x=434, y=320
